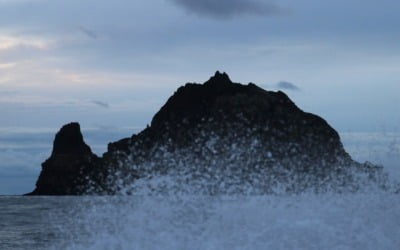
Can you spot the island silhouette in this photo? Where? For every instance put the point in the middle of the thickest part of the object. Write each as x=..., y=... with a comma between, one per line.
x=219, y=137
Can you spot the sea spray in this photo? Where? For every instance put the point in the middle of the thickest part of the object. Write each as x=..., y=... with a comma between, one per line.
x=306, y=221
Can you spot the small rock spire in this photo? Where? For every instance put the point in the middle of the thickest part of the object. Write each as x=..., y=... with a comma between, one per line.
x=70, y=140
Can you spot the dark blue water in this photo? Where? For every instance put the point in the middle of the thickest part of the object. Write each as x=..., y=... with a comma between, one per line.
x=25, y=224
x=308, y=221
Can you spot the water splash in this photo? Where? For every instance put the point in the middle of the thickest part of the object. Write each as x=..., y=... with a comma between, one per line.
x=306, y=221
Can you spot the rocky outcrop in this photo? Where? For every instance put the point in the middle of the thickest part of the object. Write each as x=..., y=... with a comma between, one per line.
x=70, y=167
x=216, y=137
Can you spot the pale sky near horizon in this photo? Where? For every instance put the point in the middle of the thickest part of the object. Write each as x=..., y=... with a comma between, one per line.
x=114, y=63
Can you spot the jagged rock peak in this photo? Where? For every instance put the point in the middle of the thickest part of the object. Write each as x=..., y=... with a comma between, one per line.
x=69, y=140
x=219, y=78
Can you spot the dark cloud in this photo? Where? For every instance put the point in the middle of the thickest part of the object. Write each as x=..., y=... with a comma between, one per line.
x=287, y=85
x=88, y=32
x=223, y=9
x=101, y=104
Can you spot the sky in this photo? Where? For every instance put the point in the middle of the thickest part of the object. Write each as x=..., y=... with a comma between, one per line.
x=113, y=64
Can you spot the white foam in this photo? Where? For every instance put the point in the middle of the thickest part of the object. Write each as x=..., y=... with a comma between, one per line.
x=307, y=221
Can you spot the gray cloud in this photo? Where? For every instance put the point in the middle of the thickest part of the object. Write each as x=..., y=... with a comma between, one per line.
x=225, y=9
x=101, y=104
x=88, y=32
x=287, y=86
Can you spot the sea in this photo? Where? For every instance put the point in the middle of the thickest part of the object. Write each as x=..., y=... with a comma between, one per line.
x=363, y=220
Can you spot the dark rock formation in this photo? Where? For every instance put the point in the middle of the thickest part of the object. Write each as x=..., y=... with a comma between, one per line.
x=216, y=137
x=70, y=166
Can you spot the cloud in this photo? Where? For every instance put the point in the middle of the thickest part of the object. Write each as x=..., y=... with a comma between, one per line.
x=287, y=86
x=88, y=32
x=15, y=98
x=13, y=42
x=7, y=65
x=226, y=9
x=101, y=104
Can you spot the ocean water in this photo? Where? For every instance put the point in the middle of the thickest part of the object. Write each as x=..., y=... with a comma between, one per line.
x=308, y=221
x=363, y=220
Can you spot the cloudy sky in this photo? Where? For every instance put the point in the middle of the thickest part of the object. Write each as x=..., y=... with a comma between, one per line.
x=112, y=64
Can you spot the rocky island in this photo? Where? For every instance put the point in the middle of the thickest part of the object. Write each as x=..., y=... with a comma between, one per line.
x=217, y=137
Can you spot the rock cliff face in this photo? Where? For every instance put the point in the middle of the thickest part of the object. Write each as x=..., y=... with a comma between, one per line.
x=216, y=137
x=71, y=163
